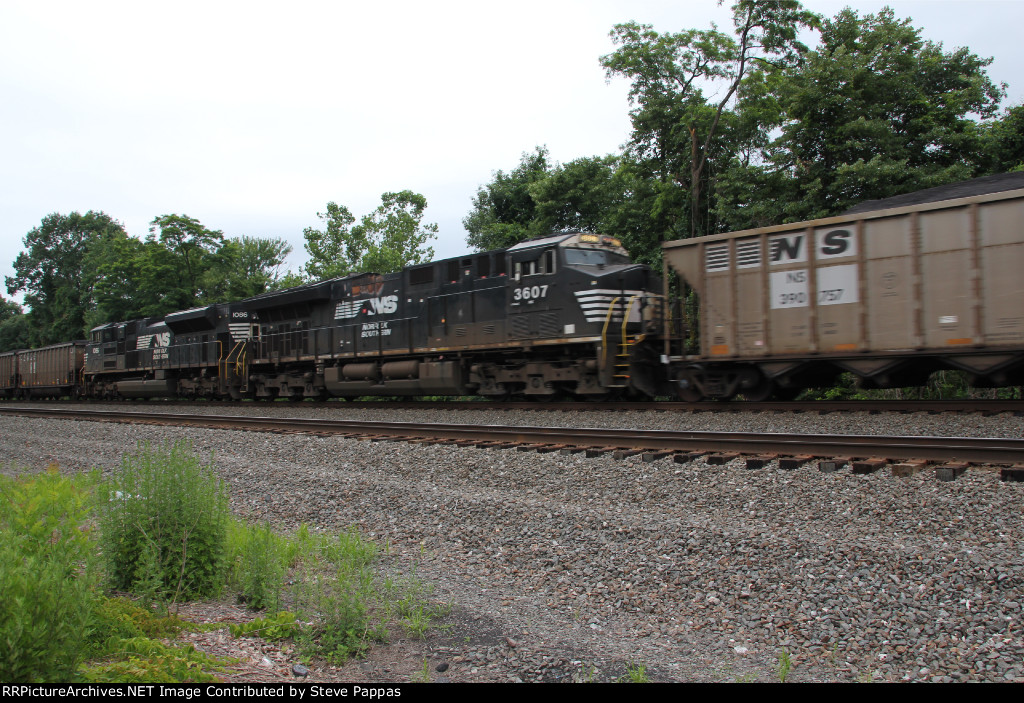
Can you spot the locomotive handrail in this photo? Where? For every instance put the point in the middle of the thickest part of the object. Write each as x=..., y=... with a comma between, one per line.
x=625, y=317
x=604, y=332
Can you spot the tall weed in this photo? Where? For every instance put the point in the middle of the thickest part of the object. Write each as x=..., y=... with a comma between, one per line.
x=164, y=524
x=47, y=578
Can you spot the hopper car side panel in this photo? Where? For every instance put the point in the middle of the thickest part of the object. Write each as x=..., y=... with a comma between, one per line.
x=937, y=284
x=52, y=371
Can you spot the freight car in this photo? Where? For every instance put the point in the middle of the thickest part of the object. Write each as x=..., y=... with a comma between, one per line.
x=8, y=374
x=565, y=314
x=891, y=292
x=49, y=372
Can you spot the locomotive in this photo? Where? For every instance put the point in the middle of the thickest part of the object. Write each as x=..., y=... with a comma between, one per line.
x=890, y=291
x=564, y=315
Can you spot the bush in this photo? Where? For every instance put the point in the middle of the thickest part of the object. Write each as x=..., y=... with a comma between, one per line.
x=164, y=525
x=46, y=578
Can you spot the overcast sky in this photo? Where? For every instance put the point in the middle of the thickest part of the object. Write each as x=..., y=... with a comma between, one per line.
x=252, y=116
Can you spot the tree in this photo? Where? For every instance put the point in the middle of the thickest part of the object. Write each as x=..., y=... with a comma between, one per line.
x=52, y=273
x=245, y=267
x=873, y=111
x=193, y=249
x=576, y=196
x=504, y=210
x=1004, y=142
x=14, y=326
x=386, y=240
x=668, y=73
x=332, y=251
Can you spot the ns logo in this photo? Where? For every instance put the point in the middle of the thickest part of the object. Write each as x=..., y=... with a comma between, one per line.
x=791, y=248
x=381, y=306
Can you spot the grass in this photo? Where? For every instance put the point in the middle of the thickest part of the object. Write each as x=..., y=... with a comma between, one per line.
x=784, y=665
x=635, y=673
x=68, y=538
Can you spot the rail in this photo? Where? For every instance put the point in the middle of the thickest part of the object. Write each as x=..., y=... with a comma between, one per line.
x=996, y=450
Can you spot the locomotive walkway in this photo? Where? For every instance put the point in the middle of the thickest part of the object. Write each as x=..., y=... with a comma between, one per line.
x=863, y=453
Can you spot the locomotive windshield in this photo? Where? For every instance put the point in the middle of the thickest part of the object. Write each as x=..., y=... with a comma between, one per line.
x=593, y=257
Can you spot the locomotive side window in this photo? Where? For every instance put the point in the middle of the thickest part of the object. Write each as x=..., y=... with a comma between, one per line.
x=483, y=266
x=544, y=264
x=422, y=275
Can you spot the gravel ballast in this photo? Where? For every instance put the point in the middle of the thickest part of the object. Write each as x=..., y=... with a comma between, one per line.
x=699, y=573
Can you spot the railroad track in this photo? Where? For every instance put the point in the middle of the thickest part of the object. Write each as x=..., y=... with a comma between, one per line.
x=863, y=453
x=984, y=406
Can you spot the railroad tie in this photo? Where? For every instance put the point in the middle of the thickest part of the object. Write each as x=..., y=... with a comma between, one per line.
x=623, y=453
x=721, y=459
x=949, y=472
x=687, y=456
x=909, y=468
x=830, y=465
x=794, y=462
x=655, y=456
x=1011, y=473
x=868, y=466
x=759, y=462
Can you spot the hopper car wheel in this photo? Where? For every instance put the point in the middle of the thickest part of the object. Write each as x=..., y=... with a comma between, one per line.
x=690, y=395
x=761, y=392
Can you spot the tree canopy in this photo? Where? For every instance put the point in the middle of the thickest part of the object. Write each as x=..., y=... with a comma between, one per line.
x=750, y=127
x=386, y=240
x=51, y=272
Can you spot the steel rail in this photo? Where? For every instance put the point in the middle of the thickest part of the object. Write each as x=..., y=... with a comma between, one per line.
x=988, y=406
x=970, y=449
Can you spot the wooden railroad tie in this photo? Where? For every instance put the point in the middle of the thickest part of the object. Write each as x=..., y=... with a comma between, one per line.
x=830, y=465
x=868, y=466
x=721, y=459
x=949, y=472
x=794, y=462
x=759, y=462
x=623, y=453
x=1012, y=473
x=909, y=468
x=655, y=456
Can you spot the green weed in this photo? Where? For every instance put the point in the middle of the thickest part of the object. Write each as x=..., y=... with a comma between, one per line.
x=47, y=578
x=785, y=664
x=164, y=524
x=635, y=673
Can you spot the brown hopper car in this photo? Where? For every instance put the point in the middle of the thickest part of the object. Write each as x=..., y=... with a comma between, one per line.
x=8, y=374
x=889, y=295
x=52, y=371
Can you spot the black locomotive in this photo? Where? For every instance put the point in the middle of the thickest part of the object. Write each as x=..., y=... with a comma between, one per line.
x=568, y=314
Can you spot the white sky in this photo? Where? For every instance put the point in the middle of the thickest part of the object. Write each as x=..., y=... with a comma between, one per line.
x=251, y=116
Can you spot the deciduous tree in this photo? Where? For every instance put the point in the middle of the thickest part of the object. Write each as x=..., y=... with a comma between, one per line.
x=51, y=271
x=386, y=240
x=669, y=73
